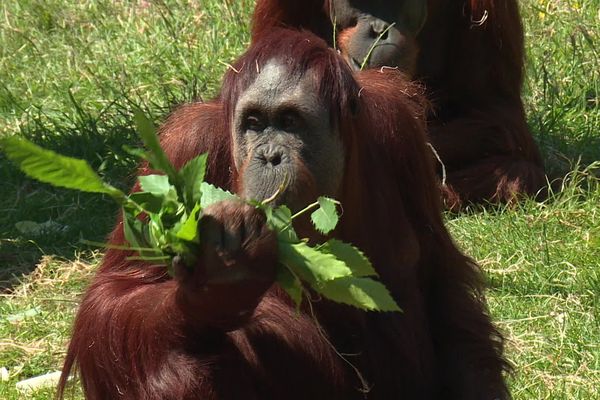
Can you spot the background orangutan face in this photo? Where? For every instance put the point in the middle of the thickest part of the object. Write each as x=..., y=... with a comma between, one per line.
x=376, y=33
x=283, y=131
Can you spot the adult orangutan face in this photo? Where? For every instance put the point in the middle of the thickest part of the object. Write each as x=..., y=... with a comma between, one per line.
x=377, y=33
x=283, y=134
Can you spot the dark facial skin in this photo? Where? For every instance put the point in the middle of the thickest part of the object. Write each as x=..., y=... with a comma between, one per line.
x=385, y=28
x=282, y=132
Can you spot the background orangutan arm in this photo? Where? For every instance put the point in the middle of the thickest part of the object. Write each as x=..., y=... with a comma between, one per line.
x=482, y=132
x=489, y=156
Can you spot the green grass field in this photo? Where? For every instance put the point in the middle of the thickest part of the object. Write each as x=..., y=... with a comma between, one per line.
x=72, y=72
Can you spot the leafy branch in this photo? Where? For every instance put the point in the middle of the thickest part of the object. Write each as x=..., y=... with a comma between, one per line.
x=160, y=222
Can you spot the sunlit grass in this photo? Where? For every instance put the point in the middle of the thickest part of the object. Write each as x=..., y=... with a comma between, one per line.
x=71, y=73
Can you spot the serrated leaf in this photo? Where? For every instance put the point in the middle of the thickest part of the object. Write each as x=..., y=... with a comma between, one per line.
x=279, y=217
x=280, y=220
x=157, y=185
x=133, y=231
x=310, y=264
x=55, y=169
x=212, y=194
x=352, y=256
x=156, y=155
x=156, y=230
x=290, y=284
x=326, y=217
x=363, y=293
x=189, y=229
x=192, y=174
x=149, y=202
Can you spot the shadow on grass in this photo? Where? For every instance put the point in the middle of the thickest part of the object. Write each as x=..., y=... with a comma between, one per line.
x=562, y=154
x=37, y=219
x=567, y=133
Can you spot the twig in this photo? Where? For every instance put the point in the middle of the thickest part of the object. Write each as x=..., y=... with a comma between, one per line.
x=366, y=388
x=375, y=43
x=480, y=22
x=437, y=156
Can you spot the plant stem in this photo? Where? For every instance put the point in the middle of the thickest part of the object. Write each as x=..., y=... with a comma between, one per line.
x=306, y=209
x=375, y=43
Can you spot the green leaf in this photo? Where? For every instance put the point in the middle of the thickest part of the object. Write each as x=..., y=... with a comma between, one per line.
x=363, y=293
x=189, y=229
x=156, y=156
x=352, y=256
x=133, y=230
x=280, y=220
x=193, y=173
x=157, y=185
x=325, y=218
x=55, y=169
x=149, y=202
x=290, y=284
x=212, y=194
x=310, y=264
x=156, y=231
x=136, y=152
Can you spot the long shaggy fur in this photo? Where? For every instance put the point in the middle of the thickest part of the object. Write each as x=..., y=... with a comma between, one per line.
x=471, y=61
x=133, y=340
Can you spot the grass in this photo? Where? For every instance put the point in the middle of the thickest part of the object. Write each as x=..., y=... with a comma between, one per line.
x=543, y=265
x=563, y=85
x=71, y=73
x=34, y=345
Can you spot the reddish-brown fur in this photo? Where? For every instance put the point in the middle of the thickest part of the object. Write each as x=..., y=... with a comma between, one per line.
x=471, y=61
x=135, y=339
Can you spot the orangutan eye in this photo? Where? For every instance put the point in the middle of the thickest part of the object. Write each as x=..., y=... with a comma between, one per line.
x=290, y=120
x=255, y=123
x=352, y=22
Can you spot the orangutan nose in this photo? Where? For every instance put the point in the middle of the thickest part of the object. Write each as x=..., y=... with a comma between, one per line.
x=271, y=154
x=379, y=29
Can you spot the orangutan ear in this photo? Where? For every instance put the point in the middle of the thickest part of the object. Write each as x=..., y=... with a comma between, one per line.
x=415, y=12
